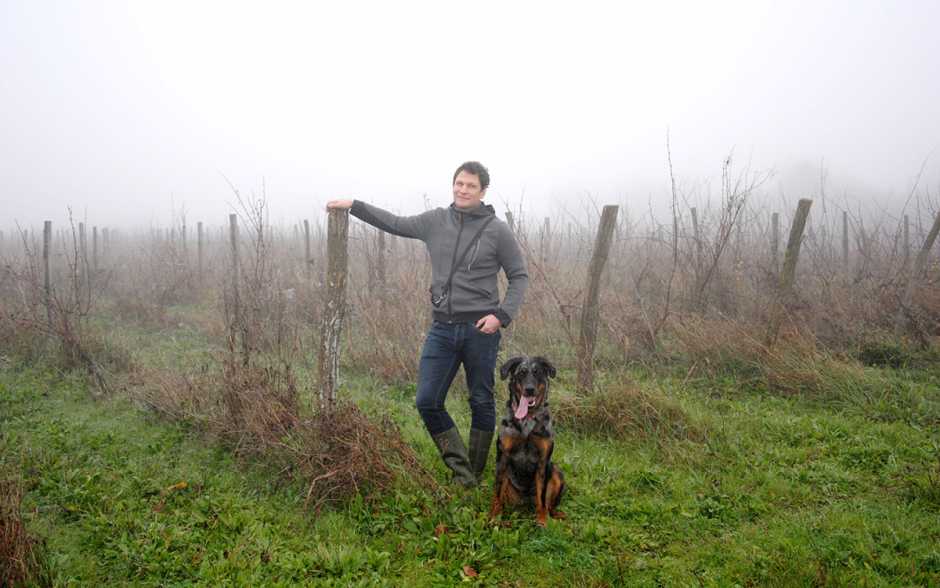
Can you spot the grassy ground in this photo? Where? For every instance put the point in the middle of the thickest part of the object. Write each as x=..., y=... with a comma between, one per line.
x=777, y=491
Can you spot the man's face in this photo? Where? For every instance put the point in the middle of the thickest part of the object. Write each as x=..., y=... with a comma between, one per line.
x=467, y=192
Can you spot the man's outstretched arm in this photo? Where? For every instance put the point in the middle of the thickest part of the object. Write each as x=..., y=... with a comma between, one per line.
x=412, y=227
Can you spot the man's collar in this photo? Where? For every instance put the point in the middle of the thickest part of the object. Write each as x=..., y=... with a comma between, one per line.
x=481, y=210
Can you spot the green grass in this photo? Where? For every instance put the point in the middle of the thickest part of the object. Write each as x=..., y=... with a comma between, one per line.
x=778, y=491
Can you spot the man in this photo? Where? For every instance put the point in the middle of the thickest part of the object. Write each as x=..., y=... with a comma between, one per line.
x=468, y=245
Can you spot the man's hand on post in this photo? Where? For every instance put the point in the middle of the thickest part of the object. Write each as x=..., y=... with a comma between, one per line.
x=339, y=205
x=489, y=324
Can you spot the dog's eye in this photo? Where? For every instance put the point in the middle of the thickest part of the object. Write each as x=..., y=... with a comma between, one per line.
x=522, y=372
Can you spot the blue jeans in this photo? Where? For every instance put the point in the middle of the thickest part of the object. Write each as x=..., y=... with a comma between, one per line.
x=445, y=348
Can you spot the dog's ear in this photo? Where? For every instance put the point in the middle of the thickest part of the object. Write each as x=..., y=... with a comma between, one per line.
x=546, y=365
x=509, y=367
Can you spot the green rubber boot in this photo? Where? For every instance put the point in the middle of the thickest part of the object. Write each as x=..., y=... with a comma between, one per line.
x=454, y=454
x=480, y=442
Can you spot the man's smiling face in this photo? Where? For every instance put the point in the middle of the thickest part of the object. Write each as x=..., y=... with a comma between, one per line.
x=467, y=192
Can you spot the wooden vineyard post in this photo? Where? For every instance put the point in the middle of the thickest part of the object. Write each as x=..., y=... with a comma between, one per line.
x=590, y=312
x=236, y=325
x=199, y=250
x=775, y=242
x=184, y=243
x=788, y=274
x=331, y=326
x=697, y=236
x=379, y=284
x=308, y=262
x=47, y=278
x=845, y=241
x=905, y=312
x=544, y=241
x=907, y=243
x=83, y=259
x=792, y=255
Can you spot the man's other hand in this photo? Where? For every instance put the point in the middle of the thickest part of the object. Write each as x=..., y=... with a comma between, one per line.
x=489, y=324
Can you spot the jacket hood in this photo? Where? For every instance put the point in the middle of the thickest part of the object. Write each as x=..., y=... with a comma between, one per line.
x=482, y=210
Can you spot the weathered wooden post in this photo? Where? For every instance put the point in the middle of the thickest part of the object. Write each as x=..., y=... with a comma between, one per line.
x=335, y=311
x=82, y=241
x=792, y=255
x=200, y=253
x=738, y=242
x=94, y=248
x=380, y=262
x=236, y=325
x=907, y=243
x=920, y=267
x=697, y=235
x=47, y=277
x=845, y=240
x=590, y=311
x=920, y=264
x=545, y=241
x=775, y=241
x=788, y=274
x=308, y=262
x=81, y=268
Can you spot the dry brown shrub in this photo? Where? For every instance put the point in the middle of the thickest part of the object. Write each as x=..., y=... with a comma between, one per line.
x=800, y=368
x=259, y=406
x=926, y=311
x=626, y=411
x=140, y=311
x=21, y=562
x=796, y=364
x=719, y=346
x=340, y=453
x=337, y=453
x=190, y=398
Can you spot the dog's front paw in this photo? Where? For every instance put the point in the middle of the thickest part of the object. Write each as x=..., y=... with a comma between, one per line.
x=495, y=510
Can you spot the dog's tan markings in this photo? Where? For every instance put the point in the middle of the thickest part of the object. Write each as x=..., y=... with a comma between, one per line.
x=505, y=494
x=551, y=495
x=544, y=446
x=504, y=489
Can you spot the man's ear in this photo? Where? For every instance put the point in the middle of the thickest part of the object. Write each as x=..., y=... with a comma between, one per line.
x=546, y=365
x=509, y=367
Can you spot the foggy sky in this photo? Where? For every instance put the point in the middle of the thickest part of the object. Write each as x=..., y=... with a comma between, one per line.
x=129, y=111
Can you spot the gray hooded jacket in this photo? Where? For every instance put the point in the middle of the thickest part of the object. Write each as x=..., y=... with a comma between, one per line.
x=446, y=232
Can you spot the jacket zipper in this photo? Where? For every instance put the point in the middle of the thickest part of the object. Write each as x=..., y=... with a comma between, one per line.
x=450, y=286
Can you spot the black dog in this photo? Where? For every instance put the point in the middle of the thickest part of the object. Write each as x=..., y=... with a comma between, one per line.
x=524, y=465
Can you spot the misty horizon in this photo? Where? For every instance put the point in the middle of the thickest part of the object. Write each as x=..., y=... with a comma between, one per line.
x=132, y=115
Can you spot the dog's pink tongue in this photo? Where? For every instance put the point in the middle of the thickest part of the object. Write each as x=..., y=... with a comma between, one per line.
x=523, y=408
